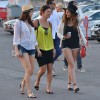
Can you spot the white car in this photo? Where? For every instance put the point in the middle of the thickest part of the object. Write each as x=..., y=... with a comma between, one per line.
x=93, y=16
x=95, y=31
x=8, y=25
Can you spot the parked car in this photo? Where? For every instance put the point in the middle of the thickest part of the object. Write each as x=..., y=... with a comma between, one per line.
x=93, y=16
x=95, y=31
x=9, y=25
x=86, y=8
x=36, y=15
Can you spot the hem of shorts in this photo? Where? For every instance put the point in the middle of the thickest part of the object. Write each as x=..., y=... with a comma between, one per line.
x=46, y=64
x=71, y=48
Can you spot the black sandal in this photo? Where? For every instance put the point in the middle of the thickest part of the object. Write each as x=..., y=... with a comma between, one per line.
x=69, y=88
x=76, y=89
x=36, y=87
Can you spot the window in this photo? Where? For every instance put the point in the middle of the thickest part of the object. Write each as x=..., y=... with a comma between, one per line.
x=96, y=16
x=87, y=9
x=96, y=8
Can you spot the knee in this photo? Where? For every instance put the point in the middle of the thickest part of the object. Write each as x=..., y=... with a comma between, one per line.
x=49, y=71
x=71, y=65
x=28, y=72
x=42, y=70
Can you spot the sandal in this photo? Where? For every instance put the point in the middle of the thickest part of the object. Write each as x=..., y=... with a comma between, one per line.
x=69, y=88
x=36, y=86
x=22, y=88
x=76, y=89
x=31, y=95
x=49, y=92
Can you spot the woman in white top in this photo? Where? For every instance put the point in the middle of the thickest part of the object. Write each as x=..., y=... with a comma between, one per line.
x=25, y=42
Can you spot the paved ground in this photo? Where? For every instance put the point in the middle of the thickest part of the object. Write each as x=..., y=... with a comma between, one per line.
x=11, y=74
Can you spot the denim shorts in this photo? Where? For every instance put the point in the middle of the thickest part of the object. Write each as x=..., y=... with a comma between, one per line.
x=23, y=50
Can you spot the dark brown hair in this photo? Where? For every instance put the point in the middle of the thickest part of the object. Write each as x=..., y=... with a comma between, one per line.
x=44, y=8
x=25, y=16
x=65, y=20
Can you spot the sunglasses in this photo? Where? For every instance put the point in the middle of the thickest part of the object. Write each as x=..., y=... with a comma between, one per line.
x=46, y=31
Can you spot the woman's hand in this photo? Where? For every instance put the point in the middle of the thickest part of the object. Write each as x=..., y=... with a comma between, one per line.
x=18, y=53
x=67, y=36
x=39, y=53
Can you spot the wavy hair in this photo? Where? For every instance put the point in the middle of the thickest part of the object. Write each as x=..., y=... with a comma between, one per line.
x=65, y=20
x=25, y=16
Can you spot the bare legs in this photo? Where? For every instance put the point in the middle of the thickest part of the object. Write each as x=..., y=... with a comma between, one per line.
x=28, y=65
x=41, y=71
x=49, y=76
x=71, y=56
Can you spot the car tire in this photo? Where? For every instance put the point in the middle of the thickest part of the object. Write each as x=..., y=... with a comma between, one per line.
x=98, y=40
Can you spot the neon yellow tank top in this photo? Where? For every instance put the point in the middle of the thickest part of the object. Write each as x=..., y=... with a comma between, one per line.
x=45, y=41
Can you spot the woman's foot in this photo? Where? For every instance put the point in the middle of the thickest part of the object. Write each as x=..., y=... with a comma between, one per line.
x=49, y=92
x=76, y=89
x=36, y=86
x=31, y=95
x=69, y=87
x=22, y=85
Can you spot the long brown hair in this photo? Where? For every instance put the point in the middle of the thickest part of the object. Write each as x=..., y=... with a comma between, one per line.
x=65, y=20
x=25, y=16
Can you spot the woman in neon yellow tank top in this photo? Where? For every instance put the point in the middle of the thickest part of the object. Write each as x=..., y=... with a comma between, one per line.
x=46, y=46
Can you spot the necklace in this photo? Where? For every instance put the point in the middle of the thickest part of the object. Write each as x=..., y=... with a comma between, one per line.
x=29, y=27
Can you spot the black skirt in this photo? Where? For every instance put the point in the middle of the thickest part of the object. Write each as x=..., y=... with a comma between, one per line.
x=46, y=58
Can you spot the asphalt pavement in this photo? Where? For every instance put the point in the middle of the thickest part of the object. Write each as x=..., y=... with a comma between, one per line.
x=11, y=74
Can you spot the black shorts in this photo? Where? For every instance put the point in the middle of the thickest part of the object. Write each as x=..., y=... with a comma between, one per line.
x=46, y=58
x=23, y=50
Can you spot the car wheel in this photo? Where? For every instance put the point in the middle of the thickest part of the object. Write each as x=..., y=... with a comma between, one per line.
x=98, y=40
